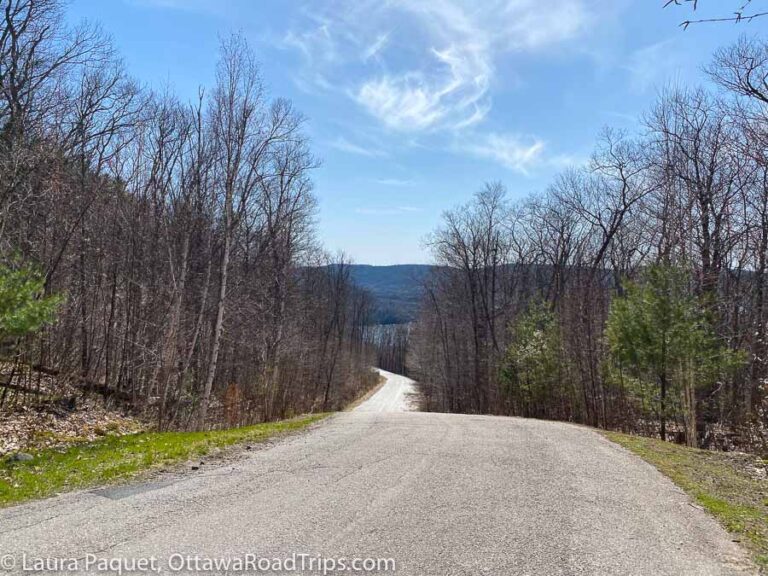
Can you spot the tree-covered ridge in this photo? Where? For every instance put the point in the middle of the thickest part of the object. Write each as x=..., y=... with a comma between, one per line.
x=650, y=262
x=177, y=238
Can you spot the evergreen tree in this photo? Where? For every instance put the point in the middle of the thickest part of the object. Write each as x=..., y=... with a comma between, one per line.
x=661, y=338
x=23, y=307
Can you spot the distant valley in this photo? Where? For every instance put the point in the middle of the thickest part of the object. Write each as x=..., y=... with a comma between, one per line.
x=397, y=289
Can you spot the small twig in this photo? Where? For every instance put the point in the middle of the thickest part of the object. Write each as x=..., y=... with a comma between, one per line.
x=737, y=18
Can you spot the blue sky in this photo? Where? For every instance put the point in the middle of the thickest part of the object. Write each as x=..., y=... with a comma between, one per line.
x=413, y=104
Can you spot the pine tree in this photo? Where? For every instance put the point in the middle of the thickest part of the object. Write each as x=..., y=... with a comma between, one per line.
x=660, y=336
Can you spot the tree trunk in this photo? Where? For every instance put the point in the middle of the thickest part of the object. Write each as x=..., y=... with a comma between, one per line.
x=218, y=330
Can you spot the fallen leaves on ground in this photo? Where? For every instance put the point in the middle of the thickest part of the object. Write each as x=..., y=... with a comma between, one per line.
x=32, y=428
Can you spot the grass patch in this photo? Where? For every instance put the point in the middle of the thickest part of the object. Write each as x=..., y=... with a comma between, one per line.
x=115, y=458
x=728, y=485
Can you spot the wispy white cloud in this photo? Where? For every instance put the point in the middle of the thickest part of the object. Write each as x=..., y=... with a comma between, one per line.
x=345, y=145
x=455, y=96
x=529, y=25
x=517, y=153
x=376, y=47
x=440, y=77
x=451, y=91
x=313, y=43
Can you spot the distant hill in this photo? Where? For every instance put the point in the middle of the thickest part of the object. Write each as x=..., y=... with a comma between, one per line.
x=397, y=289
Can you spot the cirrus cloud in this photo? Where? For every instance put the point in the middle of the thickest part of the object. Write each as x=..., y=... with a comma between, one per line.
x=515, y=152
x=454, y=96
x=427, y=65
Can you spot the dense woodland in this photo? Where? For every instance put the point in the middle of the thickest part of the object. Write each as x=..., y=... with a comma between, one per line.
x=391, y=343
x=629, y=295
x=161, y=253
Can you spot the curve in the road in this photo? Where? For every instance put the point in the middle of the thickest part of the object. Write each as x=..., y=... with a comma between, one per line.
x=397, y=394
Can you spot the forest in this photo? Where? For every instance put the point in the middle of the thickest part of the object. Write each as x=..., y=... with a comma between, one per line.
x=629, y=295
x=158, y=253
x=162, y=255
x=565, y=372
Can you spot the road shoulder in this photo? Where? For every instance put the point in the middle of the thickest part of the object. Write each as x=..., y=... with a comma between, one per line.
x=732, y=487
x=119, y=459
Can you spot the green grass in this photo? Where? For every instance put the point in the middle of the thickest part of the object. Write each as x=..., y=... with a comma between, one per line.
x=720, y=482
x=115, y=458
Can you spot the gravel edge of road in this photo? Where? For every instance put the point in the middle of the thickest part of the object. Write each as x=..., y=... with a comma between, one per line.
x=218, y=456
x=698, y=496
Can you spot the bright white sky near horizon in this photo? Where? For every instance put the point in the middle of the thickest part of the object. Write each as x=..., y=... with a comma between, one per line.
x=413, y=104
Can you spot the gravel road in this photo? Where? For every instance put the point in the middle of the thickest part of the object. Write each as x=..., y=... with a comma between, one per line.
x=397, y=395
x=440, y=494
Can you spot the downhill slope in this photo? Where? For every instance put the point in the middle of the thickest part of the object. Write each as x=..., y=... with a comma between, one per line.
x=441, y=494
x=397, y=395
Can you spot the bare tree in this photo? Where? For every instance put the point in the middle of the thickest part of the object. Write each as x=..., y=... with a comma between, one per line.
x=158, y=218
